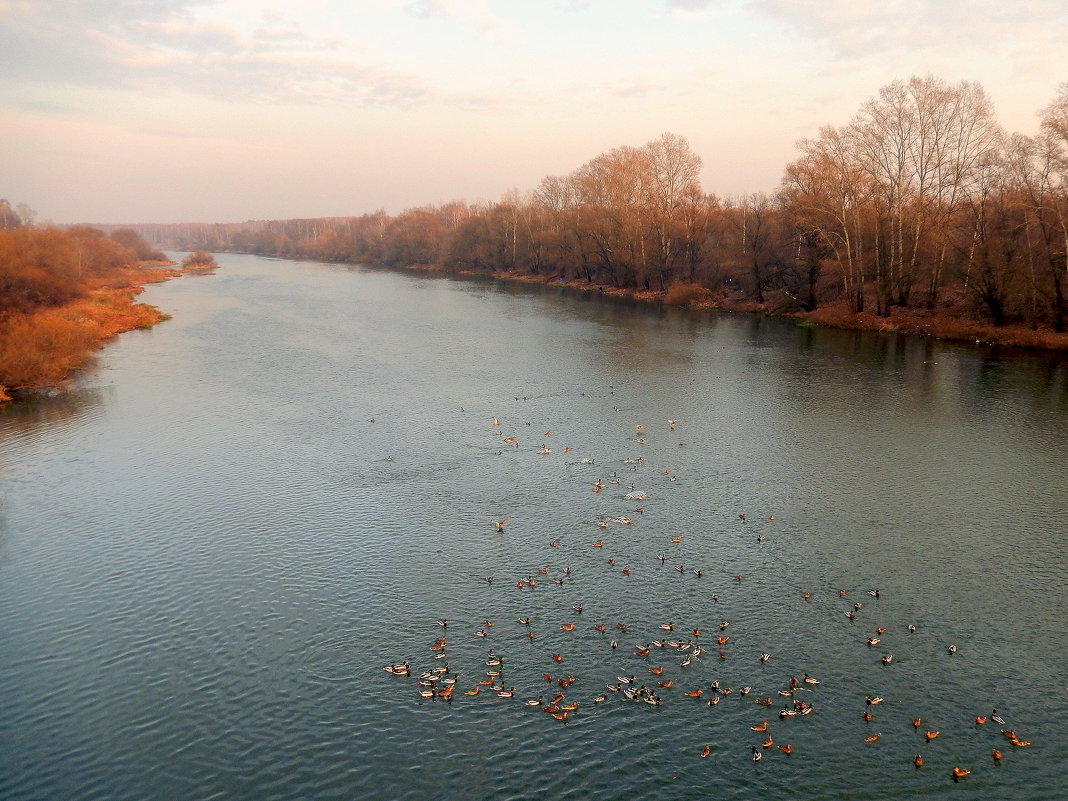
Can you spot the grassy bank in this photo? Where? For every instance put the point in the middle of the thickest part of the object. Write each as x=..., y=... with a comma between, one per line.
x=43, y=348
x=939, y=324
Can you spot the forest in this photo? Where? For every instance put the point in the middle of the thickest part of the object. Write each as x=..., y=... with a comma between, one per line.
x=922, y=209
x=62, y=293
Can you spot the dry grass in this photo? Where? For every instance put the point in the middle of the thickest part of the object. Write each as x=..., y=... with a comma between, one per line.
x=682, y=293
x=943, y=326
x=44, y=348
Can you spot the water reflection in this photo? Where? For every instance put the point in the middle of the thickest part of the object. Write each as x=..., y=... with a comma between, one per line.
x=49, y=410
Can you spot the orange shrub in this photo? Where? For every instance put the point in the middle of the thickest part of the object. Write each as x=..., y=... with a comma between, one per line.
x=684, y=293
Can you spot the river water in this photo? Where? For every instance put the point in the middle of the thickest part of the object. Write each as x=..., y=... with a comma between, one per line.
x=211, y=547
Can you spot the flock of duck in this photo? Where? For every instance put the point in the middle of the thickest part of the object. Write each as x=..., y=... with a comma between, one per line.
x=664, y=657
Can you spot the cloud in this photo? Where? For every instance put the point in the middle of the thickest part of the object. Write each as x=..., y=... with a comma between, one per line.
x=689, y=5
x=856, y=28
x=176, y=45
x=476, y=12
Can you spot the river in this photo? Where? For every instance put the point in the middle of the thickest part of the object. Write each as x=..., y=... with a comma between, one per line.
x=213, y=544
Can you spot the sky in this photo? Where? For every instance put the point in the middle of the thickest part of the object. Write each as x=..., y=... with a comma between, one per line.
x=140, y=111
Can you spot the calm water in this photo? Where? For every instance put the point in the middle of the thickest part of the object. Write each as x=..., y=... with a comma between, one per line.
x=208, y=551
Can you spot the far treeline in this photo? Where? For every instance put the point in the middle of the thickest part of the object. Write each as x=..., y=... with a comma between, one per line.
x=922, y=206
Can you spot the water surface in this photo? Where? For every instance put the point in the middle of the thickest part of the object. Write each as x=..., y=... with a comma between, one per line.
x=208, y=550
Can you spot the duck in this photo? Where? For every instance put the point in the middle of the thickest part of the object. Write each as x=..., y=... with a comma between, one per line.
x=994, y=716
x=786, y=749
x=763, y=701
x=888, y=658
x=399, y=669
x=656, y=671
x=694, y=693
x=959, y=773
x=930, y=735
x=871, y=738
x=712, y=701
x=667, y=626
x=765, y=657
x=979, y=720
x=873, y=641
x=768, y=743
x=810, y=680
x=912, y=628
x=600, y=699
x=995, y=754
x=685, y=662
x=706, y=750
x=918, y=761
x=952, y=649
x=475, y=690
x=567, y=627
x=426, y=693
x=757, y=755
x=525, y=621
x=571, y=707
x=760, y=726
x=665, y=684
x=917, y=722
x=872, y=700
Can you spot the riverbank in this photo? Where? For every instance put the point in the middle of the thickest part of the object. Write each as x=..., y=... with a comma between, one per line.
x=919, y=322
x=44, y=348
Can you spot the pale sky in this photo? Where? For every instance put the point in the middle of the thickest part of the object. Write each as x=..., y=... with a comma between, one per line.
x=127, y=111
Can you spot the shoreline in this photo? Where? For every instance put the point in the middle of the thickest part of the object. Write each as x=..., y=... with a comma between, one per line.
x=833, y=315
x=50, y=345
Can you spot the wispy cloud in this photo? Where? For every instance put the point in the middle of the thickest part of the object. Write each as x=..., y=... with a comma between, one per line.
x=855, y=28
x=175, y=45
x=476, y=12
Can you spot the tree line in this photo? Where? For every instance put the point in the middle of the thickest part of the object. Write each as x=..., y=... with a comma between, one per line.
x=50, y=266
x=921, y=204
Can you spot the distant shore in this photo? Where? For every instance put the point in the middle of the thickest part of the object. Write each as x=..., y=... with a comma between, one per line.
x=832, y=315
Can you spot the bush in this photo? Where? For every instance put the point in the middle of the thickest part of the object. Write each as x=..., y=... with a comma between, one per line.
x=199, y=260
x=684, y=293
